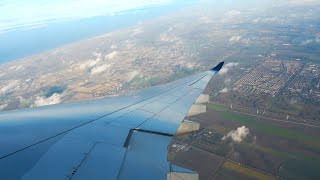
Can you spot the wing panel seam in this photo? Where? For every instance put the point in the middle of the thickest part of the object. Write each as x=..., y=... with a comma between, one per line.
x=61, y=133
x=198, y=80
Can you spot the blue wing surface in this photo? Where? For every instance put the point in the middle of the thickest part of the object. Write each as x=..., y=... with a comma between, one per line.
x=118, y=137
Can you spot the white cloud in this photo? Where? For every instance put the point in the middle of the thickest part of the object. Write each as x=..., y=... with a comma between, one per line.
x=235, y=38
x=256, y=20
x=97, y=55
x=16, y=68
x=233, y=13
x=190, y=65
x=269, y=20
x=226, y=68
x=308, y=41
x=132, y=75
x=237, y=135
x=43, y=101
x=168, y=37
x=112, y=55
x=88, y=64
x=224, y=90
x=91, y=63
x=2, y=106
x=113, y=46
x=99, y=69
x=205, y=20
x=137, y=30
x=9, y=87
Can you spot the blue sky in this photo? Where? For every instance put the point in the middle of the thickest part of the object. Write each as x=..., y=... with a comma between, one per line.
x=24, y=14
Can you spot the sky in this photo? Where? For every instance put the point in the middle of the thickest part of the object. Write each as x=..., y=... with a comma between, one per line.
x=17, y=14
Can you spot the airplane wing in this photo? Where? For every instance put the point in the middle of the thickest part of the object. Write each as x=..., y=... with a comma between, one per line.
x=124, y=137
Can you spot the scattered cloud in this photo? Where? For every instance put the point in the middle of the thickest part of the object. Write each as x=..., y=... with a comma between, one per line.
x=235, y=38
x=132, y=75
x=224, y=90
x=9, y=87
x=226, y=68
x=2, y=106
x=256, y=20
x=16, y=68
x=205, y=20
x=168, y=37
x=88, y=64
x=137, y=30
x=232, y=13
x=97, y=55
x=309, y=41
x=113, y=46
x=273, y=19
x=99, y=69
x=43, y=101
x=112, y=55
x=191, y=65
x=237, y=135
x=91, y=62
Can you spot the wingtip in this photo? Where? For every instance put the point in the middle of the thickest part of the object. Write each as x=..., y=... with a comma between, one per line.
x=218, y=67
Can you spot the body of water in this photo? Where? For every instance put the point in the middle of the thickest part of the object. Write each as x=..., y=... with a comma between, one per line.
x=21, y=43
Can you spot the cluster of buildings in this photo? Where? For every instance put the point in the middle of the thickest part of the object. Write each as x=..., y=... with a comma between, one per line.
x=306, y=84
x=268, y=77
x=179, y=147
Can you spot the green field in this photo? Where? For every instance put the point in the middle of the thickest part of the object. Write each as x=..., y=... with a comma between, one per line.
x=250, y=121
x=297, y=165
x=248, y=172
x=217, y=107
x=302, y=138
x=186, y=138
x=300, y=169
x=171, y=156
x=219, y=129
x=268, y=150
x=217, y=149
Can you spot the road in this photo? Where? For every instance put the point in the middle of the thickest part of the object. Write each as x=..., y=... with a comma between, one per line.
x=279, y=120
x=306, y=123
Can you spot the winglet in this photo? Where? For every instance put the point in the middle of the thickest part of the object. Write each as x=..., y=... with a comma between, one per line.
x=218, y=67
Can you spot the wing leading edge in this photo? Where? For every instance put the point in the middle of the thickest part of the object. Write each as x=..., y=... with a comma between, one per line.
x=109, y=138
